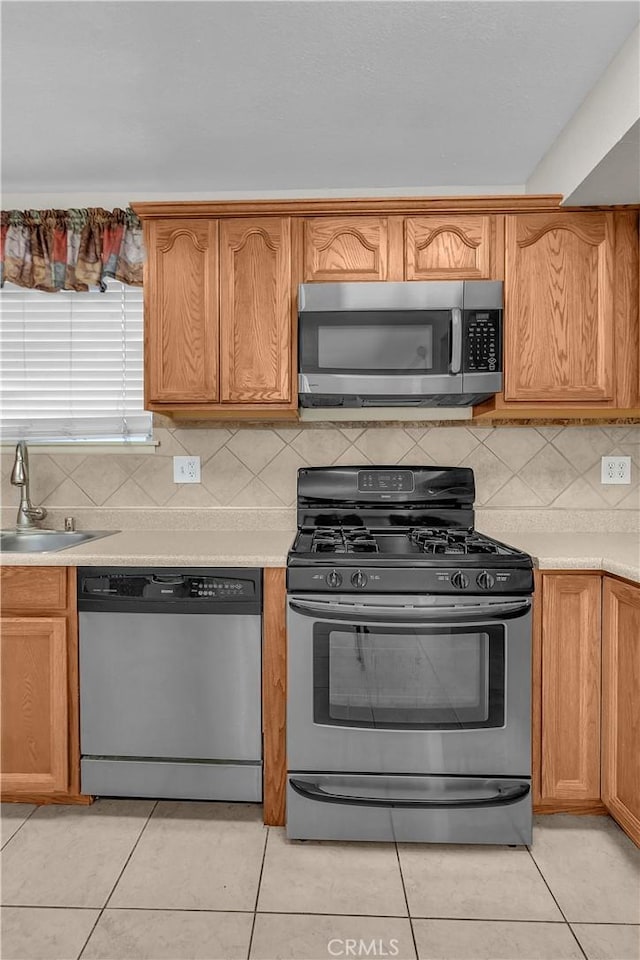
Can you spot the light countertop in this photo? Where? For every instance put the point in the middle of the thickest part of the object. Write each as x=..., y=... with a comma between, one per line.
x=171, y=548
x=616, y=553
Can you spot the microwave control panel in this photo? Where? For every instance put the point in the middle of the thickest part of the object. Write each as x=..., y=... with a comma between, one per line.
x=482, y=341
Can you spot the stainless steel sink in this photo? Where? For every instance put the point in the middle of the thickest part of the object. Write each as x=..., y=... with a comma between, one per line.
x=47, y=541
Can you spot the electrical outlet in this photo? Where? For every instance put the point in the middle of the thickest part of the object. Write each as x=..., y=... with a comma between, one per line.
x=186, y=469
x=616, y=470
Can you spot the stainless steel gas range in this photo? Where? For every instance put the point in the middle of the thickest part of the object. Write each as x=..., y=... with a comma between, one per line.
x=409, y=662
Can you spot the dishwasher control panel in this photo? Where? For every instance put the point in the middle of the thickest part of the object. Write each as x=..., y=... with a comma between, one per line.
x=221, y=587
x=195, y=587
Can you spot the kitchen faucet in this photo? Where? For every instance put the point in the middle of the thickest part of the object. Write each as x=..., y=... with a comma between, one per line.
x=28, y=515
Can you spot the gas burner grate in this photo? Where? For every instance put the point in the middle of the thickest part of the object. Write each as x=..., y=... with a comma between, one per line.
x=343, y=540
x=451, y=542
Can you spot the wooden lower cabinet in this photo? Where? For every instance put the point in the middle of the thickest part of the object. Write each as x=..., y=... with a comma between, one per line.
x=621, y=704
x=274, y=695
x=570, y=689
x=39, y=743
x=34, y=755
x=586, y=696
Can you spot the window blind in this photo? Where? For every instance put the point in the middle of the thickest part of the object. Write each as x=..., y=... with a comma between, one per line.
x=72, y=365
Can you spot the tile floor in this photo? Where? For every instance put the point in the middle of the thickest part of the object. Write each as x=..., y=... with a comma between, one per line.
x=140, y=880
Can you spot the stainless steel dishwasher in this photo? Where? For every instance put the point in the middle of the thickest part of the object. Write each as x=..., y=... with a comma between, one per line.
x=170, y=683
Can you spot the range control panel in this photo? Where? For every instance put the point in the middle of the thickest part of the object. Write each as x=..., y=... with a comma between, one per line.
x=483, y=348
x=398, y=579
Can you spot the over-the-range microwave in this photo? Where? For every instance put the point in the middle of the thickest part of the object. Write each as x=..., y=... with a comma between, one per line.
x=423, y=344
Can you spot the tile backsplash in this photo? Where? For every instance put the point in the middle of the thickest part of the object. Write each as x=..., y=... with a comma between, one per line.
x=249, y=466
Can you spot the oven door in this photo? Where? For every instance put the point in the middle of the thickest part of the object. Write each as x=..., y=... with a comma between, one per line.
x=394, y=353
x=411, y=685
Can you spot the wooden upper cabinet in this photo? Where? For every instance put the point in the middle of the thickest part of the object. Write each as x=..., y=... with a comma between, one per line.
x=221, y=282
x=559, y=307
x=34, y=754
x=346, y=248
x=255, y=310
x=570, y=679
x=621, y=705
x=451, y=248
x=181, y=311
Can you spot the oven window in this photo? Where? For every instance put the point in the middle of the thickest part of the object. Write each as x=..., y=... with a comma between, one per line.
x=376, y=347
x=418, y=678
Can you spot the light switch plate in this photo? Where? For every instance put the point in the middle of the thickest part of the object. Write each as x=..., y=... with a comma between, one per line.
x=186, y=469
x=616, y=470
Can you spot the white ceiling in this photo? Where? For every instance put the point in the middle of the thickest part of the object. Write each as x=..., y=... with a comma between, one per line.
x=204, y=97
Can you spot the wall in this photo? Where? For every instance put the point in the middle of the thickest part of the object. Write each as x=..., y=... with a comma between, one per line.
x=44, y=200
x=516, y=467
x=605, y=116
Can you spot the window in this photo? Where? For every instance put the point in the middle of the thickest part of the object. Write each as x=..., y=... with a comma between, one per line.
x=72, y=365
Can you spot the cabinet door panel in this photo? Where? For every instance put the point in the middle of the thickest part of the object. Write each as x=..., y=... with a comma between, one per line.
x=181, y=310
x=33, y=588
x=559, y=307
x=571, y=652
x=448, y=248
x=255, y=310
x=627, y=310
x=621, y=705
x=346, y=248
x=34, y=705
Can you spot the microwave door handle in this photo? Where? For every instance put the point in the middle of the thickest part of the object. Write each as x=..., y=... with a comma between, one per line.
x=373, y=613
x=505, y=793
x=456, y=340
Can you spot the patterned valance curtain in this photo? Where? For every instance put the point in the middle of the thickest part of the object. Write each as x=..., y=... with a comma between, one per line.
x=54, y=250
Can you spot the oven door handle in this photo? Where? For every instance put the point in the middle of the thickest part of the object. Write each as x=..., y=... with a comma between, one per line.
x=372, y=613
x=506, y=792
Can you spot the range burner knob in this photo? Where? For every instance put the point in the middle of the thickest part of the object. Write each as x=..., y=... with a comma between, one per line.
x=485, y=580
x=460, y=580
x=359, y=579
x=334, y=579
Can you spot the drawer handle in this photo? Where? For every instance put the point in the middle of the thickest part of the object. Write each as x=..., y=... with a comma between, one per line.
x=504, y=795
